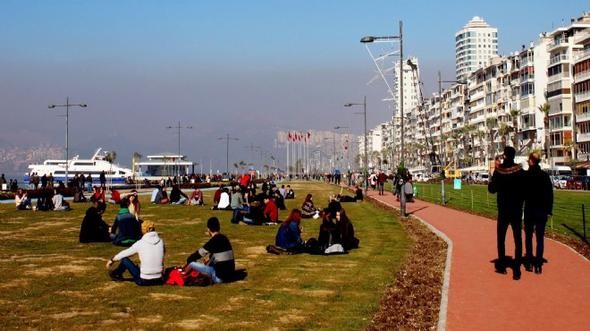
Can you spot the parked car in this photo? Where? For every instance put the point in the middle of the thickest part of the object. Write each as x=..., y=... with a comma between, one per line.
x=559, y=181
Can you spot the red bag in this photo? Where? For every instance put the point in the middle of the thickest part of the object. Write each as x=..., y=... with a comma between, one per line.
x=178, y=277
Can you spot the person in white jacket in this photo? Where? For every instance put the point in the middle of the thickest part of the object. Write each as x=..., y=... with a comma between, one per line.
x=150, y=249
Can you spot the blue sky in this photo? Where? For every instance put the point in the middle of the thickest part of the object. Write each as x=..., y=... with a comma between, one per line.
x=245, y=67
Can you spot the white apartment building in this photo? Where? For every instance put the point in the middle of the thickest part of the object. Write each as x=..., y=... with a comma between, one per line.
x=582, y=94
x=475, y=44
x=559, y=88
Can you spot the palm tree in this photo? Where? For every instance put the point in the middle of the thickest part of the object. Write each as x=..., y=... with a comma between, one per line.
x=545, y=108
x=467, y=133
x=503, y=131
x=514, y=113
x=136, y=157
x=110, y=157
x=491, y=124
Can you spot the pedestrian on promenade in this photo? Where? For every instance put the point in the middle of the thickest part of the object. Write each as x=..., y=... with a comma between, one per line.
x=538, y=205
x=381, y=179
x=508, y=182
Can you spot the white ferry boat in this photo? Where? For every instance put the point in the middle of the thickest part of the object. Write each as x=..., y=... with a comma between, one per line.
x=163, y=166
x=115, y=174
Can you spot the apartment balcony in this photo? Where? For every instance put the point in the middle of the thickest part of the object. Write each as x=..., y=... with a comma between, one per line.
x=527, y=128
x=557, y=45
x=582, y=76
x=525, y=62
x=582, y=96
x=582, y=117
x=583, y=137
x=581, y=56
x=558, y=59
x=583, y=156
x=555, y=78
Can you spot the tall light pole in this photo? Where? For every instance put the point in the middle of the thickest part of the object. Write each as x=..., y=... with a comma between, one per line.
x=366, y=165
x=227, y=138
x=371, y=39
x=178, y=127
x=442, y=141
x=337, y=128
x=67, y=107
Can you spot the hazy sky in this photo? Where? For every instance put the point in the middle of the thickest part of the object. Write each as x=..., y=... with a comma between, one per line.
x=248, y=68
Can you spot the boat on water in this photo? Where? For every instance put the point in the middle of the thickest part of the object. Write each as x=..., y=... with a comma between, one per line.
x=115, y=174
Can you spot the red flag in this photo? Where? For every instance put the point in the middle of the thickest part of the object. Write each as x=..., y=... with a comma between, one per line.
x=289, y=137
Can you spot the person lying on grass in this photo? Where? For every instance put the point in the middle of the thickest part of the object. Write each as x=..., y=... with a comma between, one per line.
x=217, y=256
x=150, y=249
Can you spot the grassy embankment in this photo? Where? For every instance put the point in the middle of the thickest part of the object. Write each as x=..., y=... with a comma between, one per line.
x=567, y=206
x=50, y=281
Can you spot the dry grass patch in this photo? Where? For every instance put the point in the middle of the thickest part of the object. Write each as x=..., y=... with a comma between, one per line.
x=168, y=296
x=72, y=314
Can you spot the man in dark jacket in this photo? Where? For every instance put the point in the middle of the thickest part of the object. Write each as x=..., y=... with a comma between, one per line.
x=126, y=230
x=508, y=182
x=538, y=205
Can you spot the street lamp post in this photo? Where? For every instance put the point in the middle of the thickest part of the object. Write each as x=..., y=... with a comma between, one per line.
x=370, y=39
x=366, y=165
x=442, y=142
x=178, y=127
x=227, y=138
x=337, y=128
x=67, y=107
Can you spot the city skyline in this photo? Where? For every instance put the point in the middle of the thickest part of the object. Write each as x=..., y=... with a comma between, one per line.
x=249, y=69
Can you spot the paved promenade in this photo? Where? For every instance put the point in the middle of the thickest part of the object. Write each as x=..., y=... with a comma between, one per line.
x=480, y=299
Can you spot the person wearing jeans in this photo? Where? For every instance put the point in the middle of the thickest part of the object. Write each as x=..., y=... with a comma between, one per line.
x=217, y=255
x=150, y=249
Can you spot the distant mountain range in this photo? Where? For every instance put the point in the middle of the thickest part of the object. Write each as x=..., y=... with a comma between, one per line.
x=15, y=160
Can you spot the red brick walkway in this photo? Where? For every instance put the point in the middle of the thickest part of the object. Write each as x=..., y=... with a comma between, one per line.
x=480, y=299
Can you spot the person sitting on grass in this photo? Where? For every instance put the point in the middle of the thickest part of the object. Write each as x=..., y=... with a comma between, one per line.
x=134, y=204
x=98, y=195
x=196, y=198
x=177, y=197
x=345, y=231
x=93, y=228
x=126, y=230
x=217, y=196
x=334, y=205
x=59, y=204
x=79, y=195
x=308, y=210
x=115, y=196
x=150, y=249
x=289, y=234
x=279, y=199
x=21, y=200
x=224, y=201
x=289, y=193
x=237, y=205
x=217, y=255
x=156, y=195
x=271, y=211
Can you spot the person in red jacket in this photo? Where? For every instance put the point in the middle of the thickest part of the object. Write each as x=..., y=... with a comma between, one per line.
x=271, y=211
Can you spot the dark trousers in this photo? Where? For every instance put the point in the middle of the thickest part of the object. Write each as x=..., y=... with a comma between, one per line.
x=501, y=229
x=127, y=264
x=381, y=187
x=536, y=226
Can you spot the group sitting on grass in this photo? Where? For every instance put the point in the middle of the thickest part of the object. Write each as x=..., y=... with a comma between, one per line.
x=47, y=199
x=336, y=235
x=215, y=260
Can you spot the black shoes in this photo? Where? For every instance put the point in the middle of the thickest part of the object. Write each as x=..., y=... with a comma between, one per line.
x=516, y=273
x=500, y=267
x=539, y=269
x=528, y=266
x=116, y=277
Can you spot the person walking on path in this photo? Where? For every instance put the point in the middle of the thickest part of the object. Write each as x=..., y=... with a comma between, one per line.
x=538, y=205
x=508, y=182
x=381, y=179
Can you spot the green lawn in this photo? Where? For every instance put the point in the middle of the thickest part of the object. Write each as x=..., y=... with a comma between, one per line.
x=50, y=281
x=567, y=205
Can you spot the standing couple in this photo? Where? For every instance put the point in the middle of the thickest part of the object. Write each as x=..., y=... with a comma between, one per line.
x=515, y=188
